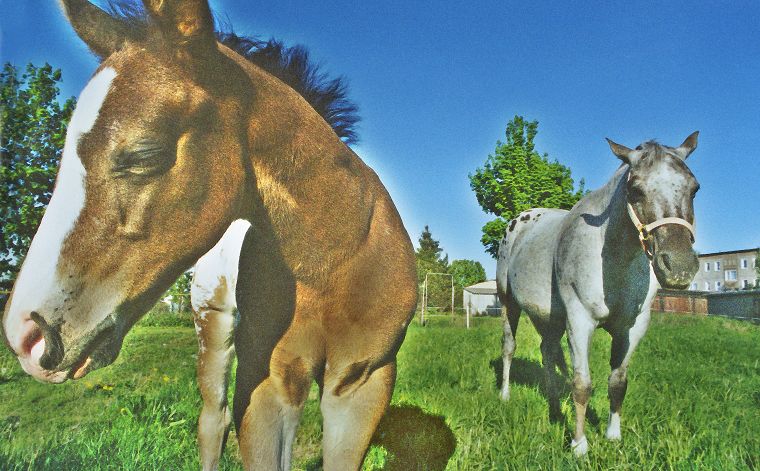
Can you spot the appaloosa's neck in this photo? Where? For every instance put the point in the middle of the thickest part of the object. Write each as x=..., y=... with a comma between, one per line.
x=618, y=229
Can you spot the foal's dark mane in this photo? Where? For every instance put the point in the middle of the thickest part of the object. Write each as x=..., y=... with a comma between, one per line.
x=291, y=64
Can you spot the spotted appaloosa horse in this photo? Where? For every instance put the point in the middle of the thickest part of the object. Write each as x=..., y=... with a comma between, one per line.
x=175, y=137
x=598, y=265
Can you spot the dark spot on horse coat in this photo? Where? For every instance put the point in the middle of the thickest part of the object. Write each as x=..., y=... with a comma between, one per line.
x=512, y=225
x=525, y=217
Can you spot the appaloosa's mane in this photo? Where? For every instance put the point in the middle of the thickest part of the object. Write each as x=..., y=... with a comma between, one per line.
x=291, y=64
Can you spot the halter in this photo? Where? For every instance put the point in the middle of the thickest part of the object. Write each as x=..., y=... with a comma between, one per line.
x=646, y=230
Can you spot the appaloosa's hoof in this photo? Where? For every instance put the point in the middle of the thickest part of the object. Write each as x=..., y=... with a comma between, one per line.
x=580, y=447
x=613, y=427
x=504, y=395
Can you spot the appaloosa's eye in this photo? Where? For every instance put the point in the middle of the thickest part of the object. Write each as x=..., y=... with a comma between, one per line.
x=144, y=158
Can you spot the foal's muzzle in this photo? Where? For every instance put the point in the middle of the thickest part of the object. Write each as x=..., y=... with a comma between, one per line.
x=46, y=354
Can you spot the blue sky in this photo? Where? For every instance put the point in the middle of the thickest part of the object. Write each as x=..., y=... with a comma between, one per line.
x=437, y=82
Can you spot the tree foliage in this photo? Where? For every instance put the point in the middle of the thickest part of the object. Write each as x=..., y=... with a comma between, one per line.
x=430, y=260
x=516, y=178
x=33, y=124
x=465, y=273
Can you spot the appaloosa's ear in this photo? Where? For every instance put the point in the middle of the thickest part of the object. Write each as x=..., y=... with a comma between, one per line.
x=688, y=146
x=103, y=33
x=622, y=152
x=187, y=25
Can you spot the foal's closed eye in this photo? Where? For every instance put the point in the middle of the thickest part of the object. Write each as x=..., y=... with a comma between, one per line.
x=145, y=158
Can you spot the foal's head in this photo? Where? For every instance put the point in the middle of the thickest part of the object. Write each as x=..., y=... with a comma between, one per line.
x=660, y=194
x=151, y=176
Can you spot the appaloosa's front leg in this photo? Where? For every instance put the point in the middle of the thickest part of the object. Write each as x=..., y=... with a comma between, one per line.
x=624, y=342
x=580, y=328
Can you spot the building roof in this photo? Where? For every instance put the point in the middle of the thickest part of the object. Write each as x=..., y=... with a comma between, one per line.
x=486, y=287
x=730, y=252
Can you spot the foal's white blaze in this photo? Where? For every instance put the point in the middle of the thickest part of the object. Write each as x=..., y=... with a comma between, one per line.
x=37, y=280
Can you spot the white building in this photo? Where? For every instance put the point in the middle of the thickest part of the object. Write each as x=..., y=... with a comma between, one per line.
x=481, y=299
x=722, y=271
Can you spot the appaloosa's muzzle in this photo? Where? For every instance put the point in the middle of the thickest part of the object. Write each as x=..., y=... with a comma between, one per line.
x=674, y=264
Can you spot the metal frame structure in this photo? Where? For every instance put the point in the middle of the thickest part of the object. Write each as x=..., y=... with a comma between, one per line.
x=425, y=294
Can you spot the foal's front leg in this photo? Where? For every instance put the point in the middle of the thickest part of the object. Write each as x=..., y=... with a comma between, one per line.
x=624, y=341
x=214, y=325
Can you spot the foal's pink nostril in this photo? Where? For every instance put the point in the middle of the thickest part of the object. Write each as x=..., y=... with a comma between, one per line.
x=37, y=350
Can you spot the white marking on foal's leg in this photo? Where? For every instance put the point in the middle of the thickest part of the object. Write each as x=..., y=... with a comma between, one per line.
x=37, y=279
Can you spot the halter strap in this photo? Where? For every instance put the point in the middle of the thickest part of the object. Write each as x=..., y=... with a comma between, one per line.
x=645, y=230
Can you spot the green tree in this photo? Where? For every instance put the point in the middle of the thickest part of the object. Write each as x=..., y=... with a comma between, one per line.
x=430, y=260
x=33, y=123
x=180, y=292
x=465, y=273
x=516, y=177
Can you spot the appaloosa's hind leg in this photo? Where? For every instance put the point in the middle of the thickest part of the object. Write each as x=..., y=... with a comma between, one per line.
x=624, y=342
x=353, y=401
x=551, y=354
x=215, y=332
x=511, y=318
x=580, y=328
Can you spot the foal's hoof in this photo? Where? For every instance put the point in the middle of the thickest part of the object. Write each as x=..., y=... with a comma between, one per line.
x=580, y=447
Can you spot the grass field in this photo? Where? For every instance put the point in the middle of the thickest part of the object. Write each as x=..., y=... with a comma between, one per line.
x=693, y=403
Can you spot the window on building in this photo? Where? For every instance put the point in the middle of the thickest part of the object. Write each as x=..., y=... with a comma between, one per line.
x=730, y=275
x=718, y=285
x=707, y=266
x=745, y=283
x=694, y=286
x=707, y=286
x=717, y=266
x=745, y=263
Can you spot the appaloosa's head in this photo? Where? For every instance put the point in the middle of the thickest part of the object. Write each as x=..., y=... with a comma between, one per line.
x=660, y=192
x=150, y=178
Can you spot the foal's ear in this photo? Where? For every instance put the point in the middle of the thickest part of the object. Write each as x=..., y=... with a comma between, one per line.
x=622, y=152
x=102, y=33
x=688, y=146
x=186, y=24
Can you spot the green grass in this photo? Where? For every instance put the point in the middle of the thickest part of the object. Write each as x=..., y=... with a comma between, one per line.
x=693, y=403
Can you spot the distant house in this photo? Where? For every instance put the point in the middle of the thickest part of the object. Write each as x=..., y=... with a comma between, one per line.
x=722, y=271
x=481, y=299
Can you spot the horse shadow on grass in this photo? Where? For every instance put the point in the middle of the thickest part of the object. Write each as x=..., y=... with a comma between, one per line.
x=531, y=373
x=413, y=440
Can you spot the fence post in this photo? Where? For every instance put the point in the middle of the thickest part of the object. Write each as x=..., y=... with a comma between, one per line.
x=468, y=312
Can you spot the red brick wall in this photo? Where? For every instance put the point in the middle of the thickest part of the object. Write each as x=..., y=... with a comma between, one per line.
x=680, y=301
